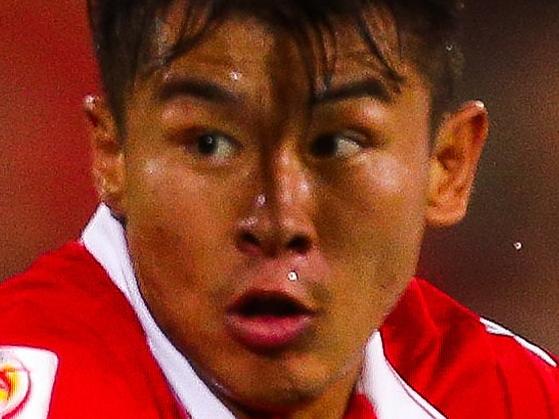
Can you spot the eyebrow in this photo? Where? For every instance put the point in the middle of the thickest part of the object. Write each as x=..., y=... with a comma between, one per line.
x=367, y=88
x=174, y=87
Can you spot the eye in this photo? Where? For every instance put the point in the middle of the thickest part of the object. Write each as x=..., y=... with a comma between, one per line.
x=214, y=146
x=335, y=146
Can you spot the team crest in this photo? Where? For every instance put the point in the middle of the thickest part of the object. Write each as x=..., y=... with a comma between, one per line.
x=26, y=382
x=14, y=385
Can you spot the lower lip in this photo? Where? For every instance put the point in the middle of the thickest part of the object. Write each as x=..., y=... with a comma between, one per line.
x=268, y=332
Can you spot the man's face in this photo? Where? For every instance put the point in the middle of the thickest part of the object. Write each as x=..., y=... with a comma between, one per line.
x=235, y=177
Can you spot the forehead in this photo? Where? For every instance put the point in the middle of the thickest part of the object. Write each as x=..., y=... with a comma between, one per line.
x=243, y=38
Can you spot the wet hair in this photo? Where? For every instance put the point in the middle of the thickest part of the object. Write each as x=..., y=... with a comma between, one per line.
x=124, y=32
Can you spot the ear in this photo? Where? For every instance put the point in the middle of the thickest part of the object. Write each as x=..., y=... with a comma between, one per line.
x=108, y=166
x=459, y=142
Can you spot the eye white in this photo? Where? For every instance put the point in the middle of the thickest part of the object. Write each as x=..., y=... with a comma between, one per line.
x=334, y=146
x=215, y=146
x=347, y=147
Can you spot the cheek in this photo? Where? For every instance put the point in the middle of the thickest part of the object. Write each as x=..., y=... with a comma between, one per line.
x=372, y=226
x=163, y=192
x=380, y=198
x=396, y=194
x=399, y=206
x=178, y=223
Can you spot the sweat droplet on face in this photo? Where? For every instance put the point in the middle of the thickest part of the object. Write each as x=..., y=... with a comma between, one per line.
x=518, y=246
x=292, y=276
x=261, y=200
x=151, y=167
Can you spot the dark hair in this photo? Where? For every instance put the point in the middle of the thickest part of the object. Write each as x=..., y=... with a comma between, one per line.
x=123, y=32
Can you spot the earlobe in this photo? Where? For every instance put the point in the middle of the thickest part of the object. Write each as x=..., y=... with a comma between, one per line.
x=108, y=167
x=454, y=160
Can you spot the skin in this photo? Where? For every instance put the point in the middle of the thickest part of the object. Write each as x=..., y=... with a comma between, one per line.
x=202, y=227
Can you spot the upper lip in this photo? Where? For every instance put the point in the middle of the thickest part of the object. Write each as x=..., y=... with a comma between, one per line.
x=265, y=282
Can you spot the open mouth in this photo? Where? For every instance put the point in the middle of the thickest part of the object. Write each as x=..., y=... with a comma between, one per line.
x=271, y=305
x=268, y=320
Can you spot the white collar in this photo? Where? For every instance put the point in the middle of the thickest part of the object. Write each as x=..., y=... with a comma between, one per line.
x=105, y=239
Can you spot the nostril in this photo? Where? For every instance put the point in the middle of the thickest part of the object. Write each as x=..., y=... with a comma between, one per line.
x=250, y=238
x=248, y=242
x=299, y=244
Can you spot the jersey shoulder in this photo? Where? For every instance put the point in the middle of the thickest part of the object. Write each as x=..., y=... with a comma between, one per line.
x=452, y=356
x=63, y=291
x=66, y=313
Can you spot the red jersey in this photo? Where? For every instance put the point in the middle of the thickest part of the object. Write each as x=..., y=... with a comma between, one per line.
x=73, y=344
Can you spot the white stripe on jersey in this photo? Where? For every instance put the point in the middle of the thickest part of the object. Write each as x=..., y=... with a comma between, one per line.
x=497, y=329
x=392, y=397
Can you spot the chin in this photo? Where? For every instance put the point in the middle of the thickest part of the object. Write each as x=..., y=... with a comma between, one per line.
x=275, y=399
x=285, y=388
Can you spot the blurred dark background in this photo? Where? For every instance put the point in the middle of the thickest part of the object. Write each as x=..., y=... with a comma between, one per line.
x=503, y=261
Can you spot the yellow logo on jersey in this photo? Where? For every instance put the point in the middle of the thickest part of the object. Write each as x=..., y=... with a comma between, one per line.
x=14, y=385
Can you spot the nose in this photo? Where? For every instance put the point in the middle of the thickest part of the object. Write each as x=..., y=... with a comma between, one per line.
x=280, y=218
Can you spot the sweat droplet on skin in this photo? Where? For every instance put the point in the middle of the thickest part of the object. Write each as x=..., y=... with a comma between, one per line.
x=292, y=276
x=518, y=246
x=261, y=200
x=151, y=167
